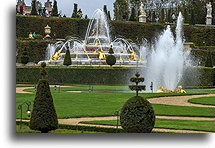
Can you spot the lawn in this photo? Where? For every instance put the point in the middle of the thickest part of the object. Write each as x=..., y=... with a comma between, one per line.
x=203, y=100
x=102, y=103
x=169, y=124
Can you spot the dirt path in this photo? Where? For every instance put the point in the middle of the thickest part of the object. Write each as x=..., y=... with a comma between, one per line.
x=179, y=100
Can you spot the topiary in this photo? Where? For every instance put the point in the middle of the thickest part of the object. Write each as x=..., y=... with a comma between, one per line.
x=111, y=59
x=67, y=60
x=137, y=114
x=43, y=117
x=24, y=58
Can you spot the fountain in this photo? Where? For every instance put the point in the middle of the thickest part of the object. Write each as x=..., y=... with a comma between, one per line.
x=94, y=48
x=166, y=62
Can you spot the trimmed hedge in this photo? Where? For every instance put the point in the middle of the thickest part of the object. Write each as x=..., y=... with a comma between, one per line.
x=35, y=49
x=62, y=27
x=106, y=76
x=75, y=75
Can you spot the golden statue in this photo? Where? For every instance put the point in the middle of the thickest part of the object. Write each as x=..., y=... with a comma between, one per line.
x=102, y=55
x=56, y=56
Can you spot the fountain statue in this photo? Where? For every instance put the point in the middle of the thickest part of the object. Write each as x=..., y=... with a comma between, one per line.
x=209, y=14
x=94, y=48
x=142, y=17
x=166, y=61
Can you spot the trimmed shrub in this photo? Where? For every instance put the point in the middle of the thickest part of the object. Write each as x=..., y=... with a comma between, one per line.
x=24, y=58
x=111, y=60
x=44, y=117
x=67, y=60
x=137, y=116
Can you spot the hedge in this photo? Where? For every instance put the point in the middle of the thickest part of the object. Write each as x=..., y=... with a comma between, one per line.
x=35, y=49
x=106, y=76
x=62, y=27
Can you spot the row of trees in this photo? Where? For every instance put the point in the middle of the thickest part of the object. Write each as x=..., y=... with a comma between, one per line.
x=194, y=11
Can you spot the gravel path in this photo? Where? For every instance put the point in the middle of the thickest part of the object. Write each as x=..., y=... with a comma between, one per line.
x=179, y=100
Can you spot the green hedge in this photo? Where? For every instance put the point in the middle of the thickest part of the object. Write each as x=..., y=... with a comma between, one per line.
x=106, y=76
x=35, y=49
x=62, y=27
x=112, y=76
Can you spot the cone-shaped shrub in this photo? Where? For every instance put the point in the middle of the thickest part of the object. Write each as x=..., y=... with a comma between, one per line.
x=24, y=57
x=67, y=60
x=43, y=117
x=137, y=114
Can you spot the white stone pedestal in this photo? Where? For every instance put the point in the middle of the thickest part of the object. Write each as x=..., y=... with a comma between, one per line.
x=142, y=18
x=209, y=20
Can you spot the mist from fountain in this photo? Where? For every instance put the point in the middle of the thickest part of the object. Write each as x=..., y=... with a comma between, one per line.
x=166, y=62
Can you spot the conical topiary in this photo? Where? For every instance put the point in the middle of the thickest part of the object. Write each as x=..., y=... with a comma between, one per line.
x=137, y=114
x=111, y=59
x=24, y=58
x=43, y=117
x=67, y=60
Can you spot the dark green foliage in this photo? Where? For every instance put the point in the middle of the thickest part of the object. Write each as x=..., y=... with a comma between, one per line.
x=43, y=117
x=133, y=16
x=105, y=10
x=55, y=9
x=34, y=10
x=137, y=116
x=192, y=17
x=111, y=50
x=75, y=11
x=111, y=60
x=201, y=35
x=209, y=60
x=162, y=17
x=67, y=60
x=108, y=16
x=43, y=64
x=137, y=80
x=24, y=58
x=120, y=9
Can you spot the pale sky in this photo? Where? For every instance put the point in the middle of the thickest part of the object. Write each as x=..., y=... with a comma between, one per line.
x=87, y=6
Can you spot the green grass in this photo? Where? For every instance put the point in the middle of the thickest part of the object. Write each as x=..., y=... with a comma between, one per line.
x=203, y=100
x=87, y=104
x=169, y=124
x=26, y=129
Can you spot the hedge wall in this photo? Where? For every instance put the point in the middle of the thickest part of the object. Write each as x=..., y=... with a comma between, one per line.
x=106, y=76
x=76, y=75
x=35, y=49
x=62, y=27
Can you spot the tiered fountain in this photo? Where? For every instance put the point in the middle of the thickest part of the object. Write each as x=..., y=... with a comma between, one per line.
x=94, y=48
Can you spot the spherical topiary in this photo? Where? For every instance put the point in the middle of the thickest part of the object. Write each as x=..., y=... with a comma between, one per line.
x=43, y=64
x=24, y=57
x=111, y=60
x=137, y=116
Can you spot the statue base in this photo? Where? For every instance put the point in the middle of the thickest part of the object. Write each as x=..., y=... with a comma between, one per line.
x=209, y=21
x=142, y=18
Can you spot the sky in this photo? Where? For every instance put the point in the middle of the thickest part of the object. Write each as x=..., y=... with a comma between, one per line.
x=87, y=6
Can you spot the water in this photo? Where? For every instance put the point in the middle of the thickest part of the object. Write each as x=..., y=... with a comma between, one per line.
x=166, y=62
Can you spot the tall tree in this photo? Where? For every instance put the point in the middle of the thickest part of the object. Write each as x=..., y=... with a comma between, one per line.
x=121, y=9
x=105, y=9
x=33, y=10
x=55, y=9
x=75, y=11
x=133, y=16
x=108, y=16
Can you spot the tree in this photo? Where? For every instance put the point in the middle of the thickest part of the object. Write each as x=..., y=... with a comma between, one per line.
x=192, y=17
x=67, y=60
x=43, y=117
x=111, y=59
x=162, y=16
x=133, y=16
x=55, y=9
x=120, y=9
x=108, y=16
x=75, y=11
x=105, y=10
x=33, y=10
